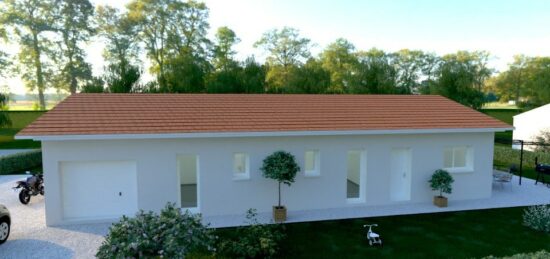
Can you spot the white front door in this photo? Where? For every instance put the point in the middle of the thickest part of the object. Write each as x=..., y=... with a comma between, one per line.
x=400, y=174
x=98, y=189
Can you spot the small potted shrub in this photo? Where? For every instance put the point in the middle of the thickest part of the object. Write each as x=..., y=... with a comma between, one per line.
x=441, y=181
x=282, y=167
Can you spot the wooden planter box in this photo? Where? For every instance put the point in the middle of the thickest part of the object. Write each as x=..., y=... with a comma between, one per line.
x=279, y=214
x=440, y=201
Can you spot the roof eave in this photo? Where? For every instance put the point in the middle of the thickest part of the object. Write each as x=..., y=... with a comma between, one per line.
x=255, y=134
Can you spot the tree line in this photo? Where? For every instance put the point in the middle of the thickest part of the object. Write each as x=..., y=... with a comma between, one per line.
x=173, y=34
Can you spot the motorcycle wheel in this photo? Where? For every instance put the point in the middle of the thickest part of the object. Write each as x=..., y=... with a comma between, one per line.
x=42, y=190
x=24, y=197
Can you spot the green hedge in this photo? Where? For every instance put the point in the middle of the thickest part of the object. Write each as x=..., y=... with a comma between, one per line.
x=20, y=162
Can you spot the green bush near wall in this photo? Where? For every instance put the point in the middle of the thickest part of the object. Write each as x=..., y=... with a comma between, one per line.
x=20, y=162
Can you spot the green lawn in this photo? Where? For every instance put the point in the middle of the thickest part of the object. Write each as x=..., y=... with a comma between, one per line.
x=505, y=115
x=19, y=119
x=466, y=234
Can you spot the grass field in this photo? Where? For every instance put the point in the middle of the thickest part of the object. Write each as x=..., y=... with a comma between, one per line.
x=505, y=115
x=29, y=105
x=19, y=120
x=466, y=234
x=499, y=105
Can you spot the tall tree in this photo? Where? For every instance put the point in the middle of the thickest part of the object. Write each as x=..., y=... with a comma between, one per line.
x=73, y=22
x=153, y=20
x=311, y=78
x=460, y=77
x=188, y=28
x=253, y=76
x=226, y=80
x=375, y=73
x=121, y=52
x=31, y=20
x=4, y=57
x=537, y=84
x=223, y=48
x=226, y=77
x=285, y=47
x=287, y=50
x=184, y=74
x=4, y=63
x=174, y=35
x=410, y=65
x=340, y=61
x=516, y=75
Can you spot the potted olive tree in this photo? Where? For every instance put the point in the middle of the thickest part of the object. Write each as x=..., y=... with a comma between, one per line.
x=441, y=181
x=281, y=167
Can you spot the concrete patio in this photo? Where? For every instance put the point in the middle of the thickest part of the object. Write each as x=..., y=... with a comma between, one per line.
x=505, y=195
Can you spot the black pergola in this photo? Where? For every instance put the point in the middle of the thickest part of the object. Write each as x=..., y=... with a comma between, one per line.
x=522, y=144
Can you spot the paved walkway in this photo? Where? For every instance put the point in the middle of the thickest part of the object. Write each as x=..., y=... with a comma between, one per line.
x=503, y=196
x=30, y=238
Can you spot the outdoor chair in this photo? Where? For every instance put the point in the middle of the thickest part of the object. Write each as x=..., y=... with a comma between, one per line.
x=504, y=177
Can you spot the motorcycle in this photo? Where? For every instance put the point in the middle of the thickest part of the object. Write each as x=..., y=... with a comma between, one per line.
x=33, y=186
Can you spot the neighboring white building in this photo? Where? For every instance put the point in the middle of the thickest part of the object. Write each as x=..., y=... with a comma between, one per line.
x=530, y=124
x=106, y=155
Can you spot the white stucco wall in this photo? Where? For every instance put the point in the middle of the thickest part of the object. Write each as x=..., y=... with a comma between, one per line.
x=220, y=194
x=530, y=124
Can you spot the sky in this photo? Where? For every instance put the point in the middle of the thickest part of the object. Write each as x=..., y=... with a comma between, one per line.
x=502, y=27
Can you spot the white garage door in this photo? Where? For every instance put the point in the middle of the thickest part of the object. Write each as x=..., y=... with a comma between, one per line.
x=99, y=189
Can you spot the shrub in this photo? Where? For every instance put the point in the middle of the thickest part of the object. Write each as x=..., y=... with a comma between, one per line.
x=544, y=138
x=170, y=234
x=441, y=181
x=20, y=162
x=282, y=167
x=253, y=241
x=536, y=255
x=537, y=218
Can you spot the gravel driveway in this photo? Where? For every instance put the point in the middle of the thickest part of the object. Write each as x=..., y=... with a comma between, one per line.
x=30, y=238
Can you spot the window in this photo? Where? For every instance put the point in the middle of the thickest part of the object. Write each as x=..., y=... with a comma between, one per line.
x=312, y=163
x=458, y=159
x=240, y=166
x=356, y=176
x=188, y=170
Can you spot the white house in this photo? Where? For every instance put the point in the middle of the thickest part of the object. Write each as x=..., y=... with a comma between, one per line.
x=105, y=155
x=530, y=124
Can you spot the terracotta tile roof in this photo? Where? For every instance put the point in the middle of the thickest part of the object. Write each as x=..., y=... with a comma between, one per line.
x=84, y=114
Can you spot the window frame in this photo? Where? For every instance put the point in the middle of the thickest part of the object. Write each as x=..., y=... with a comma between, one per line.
x=241, y=175
x=196, y=209
x=362, y=198
x=316, y=172
x=469, y=160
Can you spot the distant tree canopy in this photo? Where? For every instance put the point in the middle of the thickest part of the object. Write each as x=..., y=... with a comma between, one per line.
x=526, y=81
x=52, y=36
